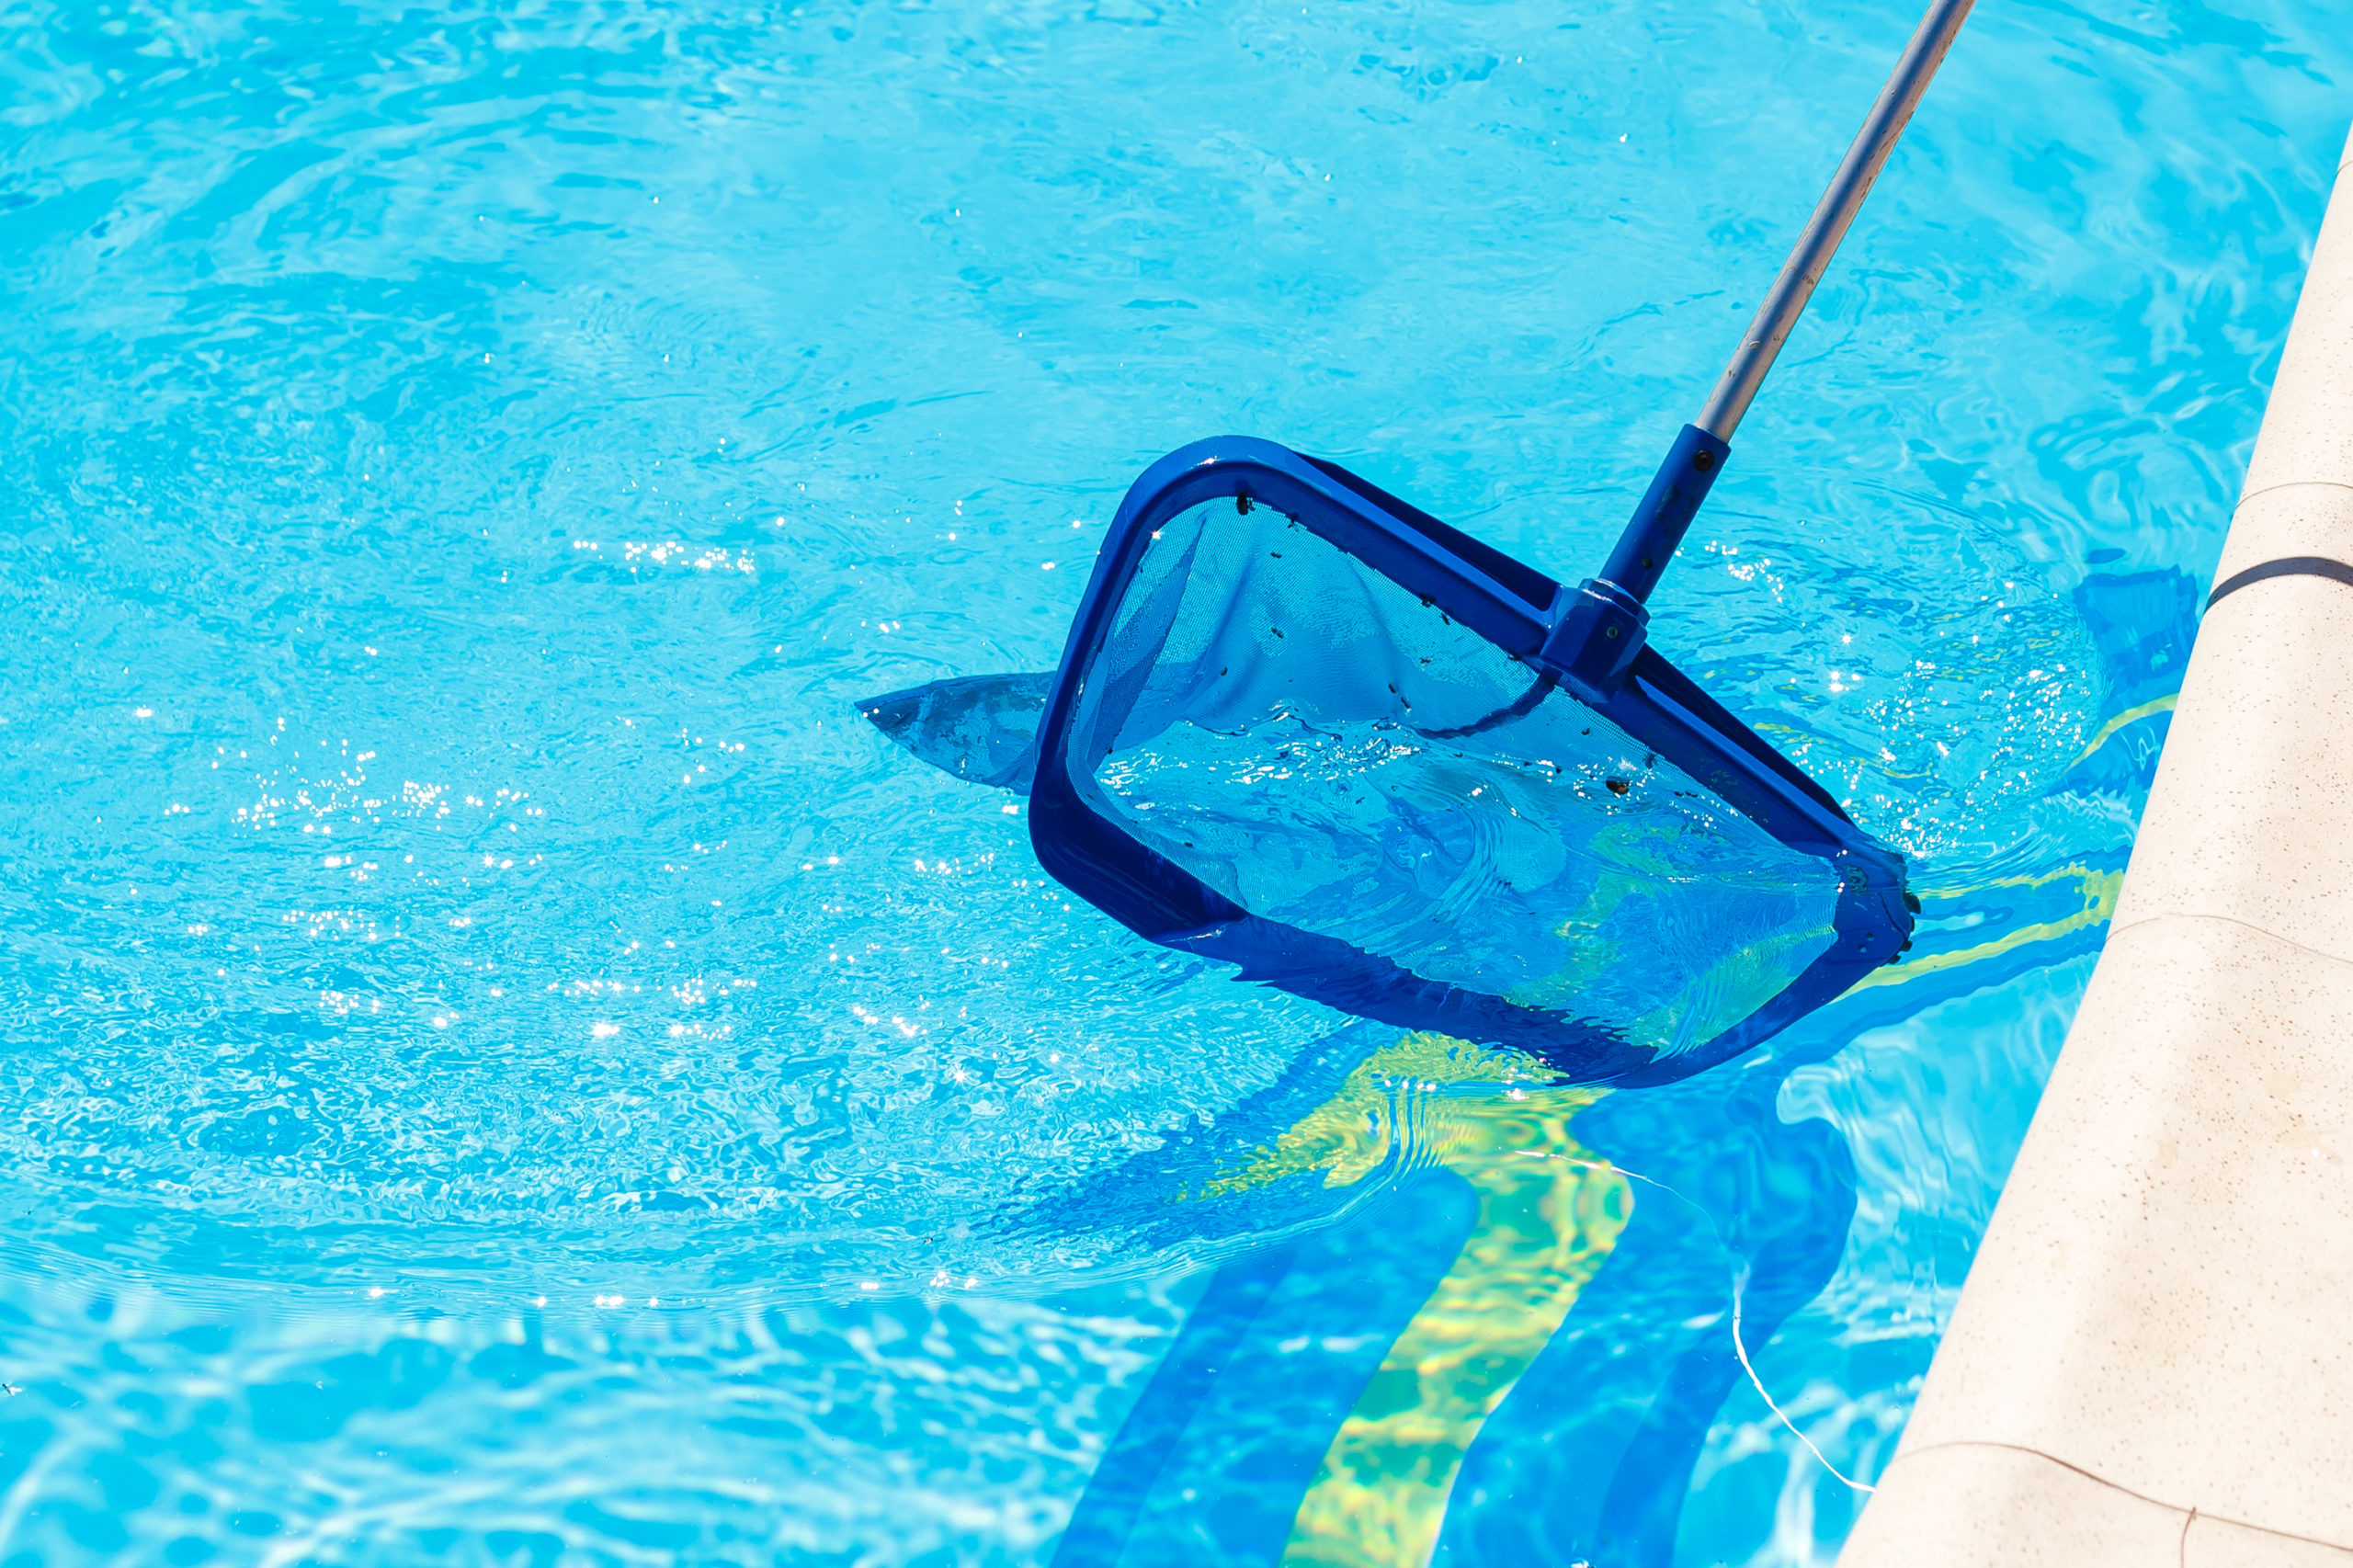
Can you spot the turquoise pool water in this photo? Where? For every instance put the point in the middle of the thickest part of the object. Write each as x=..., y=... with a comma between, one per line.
x=502, y=1064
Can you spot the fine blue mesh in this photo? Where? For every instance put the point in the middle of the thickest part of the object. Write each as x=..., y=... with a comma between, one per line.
x=1328, y=750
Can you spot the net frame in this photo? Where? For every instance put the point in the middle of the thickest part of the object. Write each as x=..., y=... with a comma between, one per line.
x=1518, y=609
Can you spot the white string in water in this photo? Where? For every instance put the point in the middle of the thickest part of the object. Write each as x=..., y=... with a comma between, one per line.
x=1739, y=1284
x=1740, y=1347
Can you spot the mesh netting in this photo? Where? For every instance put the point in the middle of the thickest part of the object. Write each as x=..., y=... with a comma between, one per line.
x=1330, y=751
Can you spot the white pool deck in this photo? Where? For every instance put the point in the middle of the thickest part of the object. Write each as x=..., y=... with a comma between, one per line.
x=2152, y=1362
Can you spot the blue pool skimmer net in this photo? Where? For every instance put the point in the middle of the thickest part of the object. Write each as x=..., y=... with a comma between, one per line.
x=1304, y=728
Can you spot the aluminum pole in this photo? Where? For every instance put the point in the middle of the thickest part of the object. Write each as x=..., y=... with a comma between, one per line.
x=1810, y=257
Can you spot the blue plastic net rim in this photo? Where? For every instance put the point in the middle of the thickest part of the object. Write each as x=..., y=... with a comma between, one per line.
x=1497, y=599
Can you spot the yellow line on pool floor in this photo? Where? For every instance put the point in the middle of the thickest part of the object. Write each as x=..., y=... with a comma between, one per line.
x=1550, y=1212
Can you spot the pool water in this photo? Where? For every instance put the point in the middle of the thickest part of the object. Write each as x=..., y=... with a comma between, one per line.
x=503, y=1063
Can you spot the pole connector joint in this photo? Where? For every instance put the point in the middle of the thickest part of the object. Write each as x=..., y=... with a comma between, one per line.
x=1598, y=629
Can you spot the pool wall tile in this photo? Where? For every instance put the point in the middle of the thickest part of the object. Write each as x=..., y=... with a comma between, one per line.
x=2307, y=435
x=2217, y=1543
x=2154, y=1333
x=2169, y=1316
x=2063, y=1519
x=2287, y=520
x=2254, y=777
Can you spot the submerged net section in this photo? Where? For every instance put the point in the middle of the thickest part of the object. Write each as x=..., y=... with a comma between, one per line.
x=1328, y=750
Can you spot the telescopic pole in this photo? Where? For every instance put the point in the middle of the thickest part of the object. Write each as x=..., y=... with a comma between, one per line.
x=1598, y=631
x=1811, y=256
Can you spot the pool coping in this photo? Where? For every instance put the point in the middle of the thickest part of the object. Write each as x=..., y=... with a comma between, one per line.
x=2152, y=1360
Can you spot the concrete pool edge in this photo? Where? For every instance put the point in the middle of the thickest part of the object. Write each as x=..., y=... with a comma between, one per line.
x=2151, y=1360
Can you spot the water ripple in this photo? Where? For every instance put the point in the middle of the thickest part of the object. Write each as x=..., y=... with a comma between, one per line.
x=464, y=462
